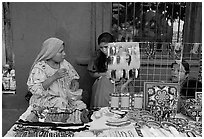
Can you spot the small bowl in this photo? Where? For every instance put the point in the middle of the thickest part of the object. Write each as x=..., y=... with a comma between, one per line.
x=153, y=124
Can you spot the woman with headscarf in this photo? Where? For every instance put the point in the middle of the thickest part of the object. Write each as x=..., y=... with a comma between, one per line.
x=50, y=77
x=180, y=74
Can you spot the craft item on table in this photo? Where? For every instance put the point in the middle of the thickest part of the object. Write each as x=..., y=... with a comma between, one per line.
x=118, y=59
x=148, y=118
x=32, y=117
x=141, y=122
x=137, y=101
x=134, y=115
x=166, y=125
x=153, y=124
x=84, y=134
x=52, y=115
x=119, y=112
x=97, y=132
x=195, y=127
x=166, y=133
x=74, y=117
x=139, y=132
x=97, y=114
x=198, y=97
x=118, y=122
x=137, y=128
x=192, y=108
x=73, y=128
x=190, y=133
x=161, y=133
x=120, y=101
x=193, y=133
x=164, y=95
x=125, y=103
x=198, y=131
x=145, y=112
x=86, y=116
x=174, y=131
x=25, y=131
x=114, y=101
x=124, y=56
x=127, y=74
x=46, y=124
x=146, y=131
x=113, y=74
x=128, y=131
x=179, y=121
x=166, y=112
x=156, y=111
x=156, y=132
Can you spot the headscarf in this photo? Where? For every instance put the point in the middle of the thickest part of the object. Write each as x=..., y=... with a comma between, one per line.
x=49, y=49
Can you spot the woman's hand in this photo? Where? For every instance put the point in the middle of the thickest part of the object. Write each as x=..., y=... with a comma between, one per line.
x=60, y=73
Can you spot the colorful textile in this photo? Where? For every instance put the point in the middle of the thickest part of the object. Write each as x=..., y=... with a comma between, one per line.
x=191, y=108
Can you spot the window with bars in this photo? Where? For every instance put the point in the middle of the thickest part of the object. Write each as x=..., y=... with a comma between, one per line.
x=159, y=28
x=8, y=66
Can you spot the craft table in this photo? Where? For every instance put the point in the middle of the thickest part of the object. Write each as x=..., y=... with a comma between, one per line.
x=99, y=128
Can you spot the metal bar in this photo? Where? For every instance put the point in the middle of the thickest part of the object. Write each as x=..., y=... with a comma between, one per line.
x=157, y=21
x=179, y=23
x=126, y=14
x=118, y=19
x=172, y=19
x=102, y=16
x=134, y=20
x=166, y=26
x=141, y=20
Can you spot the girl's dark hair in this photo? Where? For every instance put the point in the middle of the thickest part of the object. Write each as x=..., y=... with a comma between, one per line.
x=101, y=60
x=105, y=37
x=185, y=65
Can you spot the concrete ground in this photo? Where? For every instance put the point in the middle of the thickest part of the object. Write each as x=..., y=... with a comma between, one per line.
x=9, y=116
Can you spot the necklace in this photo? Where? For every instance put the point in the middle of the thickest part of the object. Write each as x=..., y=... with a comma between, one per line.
x=53, y=65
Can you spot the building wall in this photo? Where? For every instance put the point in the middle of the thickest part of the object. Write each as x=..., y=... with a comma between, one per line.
x=77, y=24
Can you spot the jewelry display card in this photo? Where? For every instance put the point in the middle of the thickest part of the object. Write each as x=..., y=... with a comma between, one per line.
x=124, y=59
x=120, y=101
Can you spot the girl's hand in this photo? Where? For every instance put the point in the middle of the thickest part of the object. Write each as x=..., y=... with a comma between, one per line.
x=60, y=73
